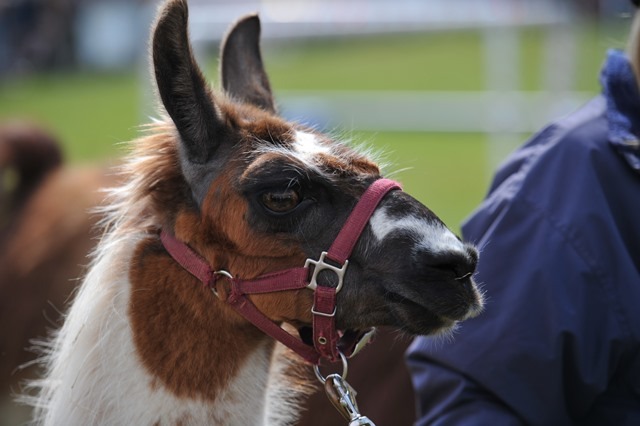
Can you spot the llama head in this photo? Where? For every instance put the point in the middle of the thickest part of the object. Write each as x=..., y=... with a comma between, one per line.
x=260, y=194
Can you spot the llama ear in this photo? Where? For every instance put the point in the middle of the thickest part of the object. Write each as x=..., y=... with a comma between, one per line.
x=242, y=71
x=182, y=87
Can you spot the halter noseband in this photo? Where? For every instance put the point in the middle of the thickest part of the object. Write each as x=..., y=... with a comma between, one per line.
x=325, y=335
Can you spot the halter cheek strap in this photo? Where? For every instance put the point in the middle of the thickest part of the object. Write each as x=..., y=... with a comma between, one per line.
x=325, y=336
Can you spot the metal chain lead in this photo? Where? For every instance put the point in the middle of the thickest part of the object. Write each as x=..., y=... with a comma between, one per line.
x=342, y=395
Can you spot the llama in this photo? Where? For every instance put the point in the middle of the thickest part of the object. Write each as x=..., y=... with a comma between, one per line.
x=214, y=244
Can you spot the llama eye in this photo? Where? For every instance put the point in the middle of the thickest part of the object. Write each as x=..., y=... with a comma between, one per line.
x=281, y=201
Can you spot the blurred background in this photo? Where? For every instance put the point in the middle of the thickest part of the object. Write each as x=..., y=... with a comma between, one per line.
x=445, y=88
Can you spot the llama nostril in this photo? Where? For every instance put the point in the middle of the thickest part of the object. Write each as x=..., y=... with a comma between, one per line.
x=464, y=269
x=463, y=277
x=460, y=265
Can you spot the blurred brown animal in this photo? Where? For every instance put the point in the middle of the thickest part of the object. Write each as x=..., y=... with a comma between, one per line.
x=46, y=231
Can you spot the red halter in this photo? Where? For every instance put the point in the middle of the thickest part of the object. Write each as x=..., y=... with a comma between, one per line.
x=325, y=335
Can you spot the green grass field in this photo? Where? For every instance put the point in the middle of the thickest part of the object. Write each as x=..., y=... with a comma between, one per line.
x=93, y=113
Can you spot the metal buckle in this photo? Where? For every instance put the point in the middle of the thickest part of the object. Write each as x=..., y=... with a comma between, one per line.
x=323, y=314
x=321, y=265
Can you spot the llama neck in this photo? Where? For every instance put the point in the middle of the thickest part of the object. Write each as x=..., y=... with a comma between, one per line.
x=143, y=344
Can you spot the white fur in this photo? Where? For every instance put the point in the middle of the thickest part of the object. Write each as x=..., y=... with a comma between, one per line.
x=432, y=237
x=287, y=387
x=308, y=146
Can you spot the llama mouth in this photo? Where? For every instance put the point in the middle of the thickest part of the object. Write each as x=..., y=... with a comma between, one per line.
x=417, y=319
x=306, y=335
x=351, y=340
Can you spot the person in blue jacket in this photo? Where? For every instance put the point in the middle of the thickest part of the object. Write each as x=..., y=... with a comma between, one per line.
x=559, y=233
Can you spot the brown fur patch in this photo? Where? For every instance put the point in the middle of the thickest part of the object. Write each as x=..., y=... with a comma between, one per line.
x=348, y=166
x=186, y=337
x=191, y=341
x=254, y=124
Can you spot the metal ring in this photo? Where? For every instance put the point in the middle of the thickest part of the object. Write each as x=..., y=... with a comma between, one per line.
x=345, y=369
x=223, y=273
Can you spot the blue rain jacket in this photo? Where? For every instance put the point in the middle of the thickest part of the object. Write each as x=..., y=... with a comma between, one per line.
x=559, y=234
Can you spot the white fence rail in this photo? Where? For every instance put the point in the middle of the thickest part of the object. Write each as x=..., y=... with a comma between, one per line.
x=484, y=112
